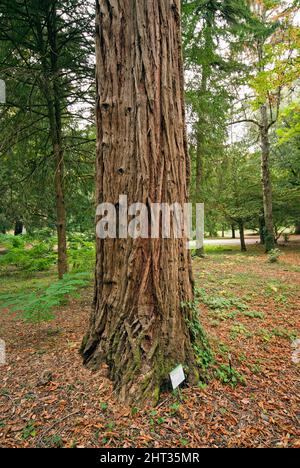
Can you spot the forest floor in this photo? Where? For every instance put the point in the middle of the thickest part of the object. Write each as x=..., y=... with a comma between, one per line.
x=250, y=309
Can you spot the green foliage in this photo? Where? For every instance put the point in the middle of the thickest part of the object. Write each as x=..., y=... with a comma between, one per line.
x=219, y=303
x=254, y=314
x=54, y=441
x=241, y=198
x=290, y=124
x=260, y=66
x=210, y=96
x=184, y=442
x=38, y=252
x=286, y=168
x=104, y=407
x=239, y=329
x=81, y=252
x=29, y=431
x=284, y=333
x=274, y=256
x=155, y=419
x=268, y=335
x=27, y=254
x=201, y=346
x=32, y=69
x=175, y=407
x=39, y=305
x=227, y=375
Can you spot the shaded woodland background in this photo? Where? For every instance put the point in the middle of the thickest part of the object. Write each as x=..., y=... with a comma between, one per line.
x=237, y=64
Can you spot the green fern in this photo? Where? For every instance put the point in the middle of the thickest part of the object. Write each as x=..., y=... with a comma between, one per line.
x=39, y=305
x=27, y=254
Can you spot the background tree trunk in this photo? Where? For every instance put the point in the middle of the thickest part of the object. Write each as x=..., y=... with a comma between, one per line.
x=297, y=229
x=199, y=168
x=242, y=236
x=138, y=325
x=233, y=232
x=201, y=137
x=18, y=228
x=58, y=147
x=262, y=228
x=62, y=265
x=51, y=90
x=266, y=179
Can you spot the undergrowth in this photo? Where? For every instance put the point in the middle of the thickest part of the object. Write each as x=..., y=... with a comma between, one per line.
x=39, y=253
x=38, y=306
x=27, y=254
x=200, y=342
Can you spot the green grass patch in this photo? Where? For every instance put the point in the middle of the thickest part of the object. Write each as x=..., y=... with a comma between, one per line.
x=38, y=305
x=226, y=301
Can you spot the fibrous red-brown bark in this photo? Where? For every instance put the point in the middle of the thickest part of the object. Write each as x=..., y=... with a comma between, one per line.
x=138, y=325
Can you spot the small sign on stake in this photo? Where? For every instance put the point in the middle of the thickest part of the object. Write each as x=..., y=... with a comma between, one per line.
x=177, y=377
x=2, y=92
x=2, y=353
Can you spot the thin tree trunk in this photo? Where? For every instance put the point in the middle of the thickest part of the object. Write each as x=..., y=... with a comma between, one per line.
x=60, y=211
x=233, y=232
x=242, y=236
x=51, y=90
x=199, y=168
x=138, y=324
x=266, y=180
x=200, y=152
x=269, y=236
x=297, y=229
x=58, y=149
x=201, y=131
x=199, y=164
x=18, y=228
x=262, y=229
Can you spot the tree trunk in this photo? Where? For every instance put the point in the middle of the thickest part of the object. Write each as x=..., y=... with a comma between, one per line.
x=58, y=148
x=242, y=236
x=201, y=144
x=297, y=229
x=62, y=265
x=199, y=164
x=199, y=170
x=262, y=229
x=233, y=232
x=138, y=324
x=18, y=228
x=51, y=90
x=266, y=180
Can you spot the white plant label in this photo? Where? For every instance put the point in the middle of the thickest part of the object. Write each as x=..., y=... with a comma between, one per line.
x=2, y=353
x=2, y=92
x=177, y=377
